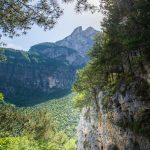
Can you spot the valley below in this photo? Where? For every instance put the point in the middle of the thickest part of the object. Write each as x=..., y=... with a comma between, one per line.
x=63, y=112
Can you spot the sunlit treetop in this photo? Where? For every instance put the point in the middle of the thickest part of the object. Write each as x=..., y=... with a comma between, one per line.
x=1, y=97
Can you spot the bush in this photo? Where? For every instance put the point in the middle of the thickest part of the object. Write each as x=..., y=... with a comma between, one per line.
x=17, y=143
x=1, y=96
x=70, y=145
x=81, y=99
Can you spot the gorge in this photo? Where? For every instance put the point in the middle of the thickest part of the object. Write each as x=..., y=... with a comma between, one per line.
x=46, y=71
x=65, y=99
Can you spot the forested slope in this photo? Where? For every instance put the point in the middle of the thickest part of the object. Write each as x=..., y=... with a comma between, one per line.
x=47, y=126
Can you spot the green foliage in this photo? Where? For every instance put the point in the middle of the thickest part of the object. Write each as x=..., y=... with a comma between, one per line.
x=142, y=89
x=1, y=96
x=63, y=112
x=16, y=122
x=18, y=143
x=141, y=125
x=35, y=129
x=81, y=99
x=24, y=13
x=2, y=57
x=86, y=86
x=86, y=78
x=136, y=30
x=24, y=143
x=70, y=145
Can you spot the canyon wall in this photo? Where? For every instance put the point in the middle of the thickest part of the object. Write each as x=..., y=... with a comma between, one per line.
x=122, y=124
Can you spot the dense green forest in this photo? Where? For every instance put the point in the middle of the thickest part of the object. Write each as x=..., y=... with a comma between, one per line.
x=51, y=125
x=63, y=113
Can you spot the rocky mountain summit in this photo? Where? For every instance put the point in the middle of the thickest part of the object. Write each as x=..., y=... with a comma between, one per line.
x=80, y=40
x=46, y=71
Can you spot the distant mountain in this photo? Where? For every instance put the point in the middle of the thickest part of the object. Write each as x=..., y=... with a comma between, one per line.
x=80, y=40
x=46, y=71
x=61, y=53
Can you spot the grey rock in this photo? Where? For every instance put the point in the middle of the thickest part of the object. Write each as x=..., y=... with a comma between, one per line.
x=80, y=40
x=111, y=127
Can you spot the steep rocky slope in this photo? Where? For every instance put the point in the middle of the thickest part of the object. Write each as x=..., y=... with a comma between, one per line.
x=80, y=40
x=121, y=125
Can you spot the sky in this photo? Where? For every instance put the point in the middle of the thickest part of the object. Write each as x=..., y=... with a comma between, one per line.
x=64, y=27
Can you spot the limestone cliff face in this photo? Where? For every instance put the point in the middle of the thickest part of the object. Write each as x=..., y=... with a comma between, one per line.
x=61, y=53
x=88, y=130
x=123, y=125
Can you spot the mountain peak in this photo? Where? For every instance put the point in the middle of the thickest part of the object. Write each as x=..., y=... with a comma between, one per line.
x=77, y=30
x=80, y=40
x=90, y=29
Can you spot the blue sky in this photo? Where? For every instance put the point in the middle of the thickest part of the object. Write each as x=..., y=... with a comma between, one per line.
x=66, y=24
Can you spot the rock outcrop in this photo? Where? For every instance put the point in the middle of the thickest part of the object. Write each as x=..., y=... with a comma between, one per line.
x=122, y=125
x=61, y=53
x=80, y=40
